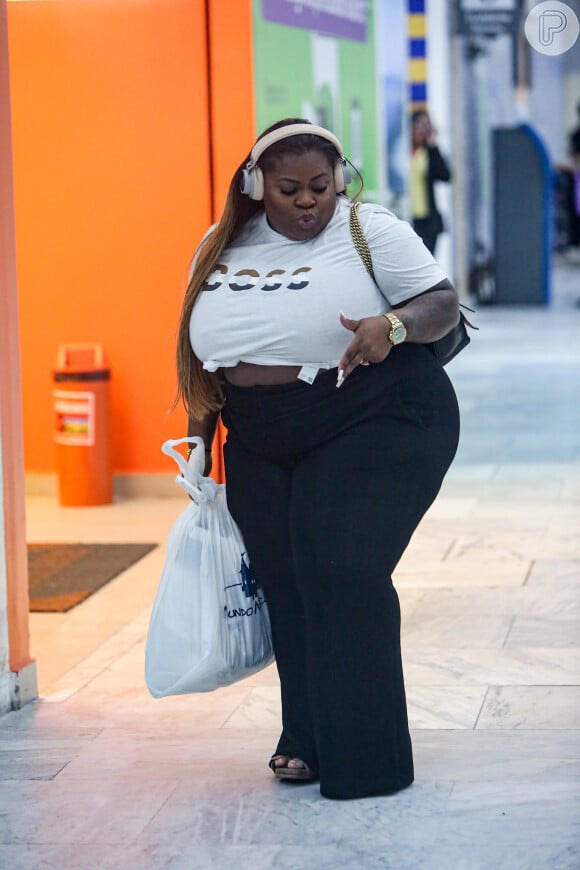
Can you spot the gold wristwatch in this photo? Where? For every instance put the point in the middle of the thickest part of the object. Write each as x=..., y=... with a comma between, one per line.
x=398, y=332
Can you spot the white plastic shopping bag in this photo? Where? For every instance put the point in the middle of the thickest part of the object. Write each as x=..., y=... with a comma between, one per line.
x=210, y=624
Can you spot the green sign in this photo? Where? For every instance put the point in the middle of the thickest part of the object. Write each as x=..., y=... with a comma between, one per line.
x=302, y=72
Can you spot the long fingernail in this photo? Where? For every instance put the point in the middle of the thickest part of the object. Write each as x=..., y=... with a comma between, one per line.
x=340, y=378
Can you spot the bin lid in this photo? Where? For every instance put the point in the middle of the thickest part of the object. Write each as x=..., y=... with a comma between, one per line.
x=82, y=362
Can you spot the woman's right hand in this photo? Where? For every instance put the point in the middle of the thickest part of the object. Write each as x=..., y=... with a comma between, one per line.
x=205, y=429
x=207, y=463
x=208, y=459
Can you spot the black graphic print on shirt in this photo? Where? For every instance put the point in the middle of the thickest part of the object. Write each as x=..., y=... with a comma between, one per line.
x=247, y=279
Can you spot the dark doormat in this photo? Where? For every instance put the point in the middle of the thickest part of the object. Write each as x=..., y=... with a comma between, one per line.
x=63, y=575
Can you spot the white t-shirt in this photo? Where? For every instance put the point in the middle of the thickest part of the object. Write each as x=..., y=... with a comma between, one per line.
x=276, y=301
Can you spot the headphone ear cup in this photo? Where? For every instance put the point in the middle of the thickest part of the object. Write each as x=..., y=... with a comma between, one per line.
x=342, y=175
x=258, y=184
x=252, y=183
x=246, y=182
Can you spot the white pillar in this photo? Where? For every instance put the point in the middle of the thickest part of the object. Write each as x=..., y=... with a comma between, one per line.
x=439, y=99
x=17, y=669
x=5, y=703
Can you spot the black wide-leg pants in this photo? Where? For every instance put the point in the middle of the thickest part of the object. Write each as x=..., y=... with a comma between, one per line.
x=327, y=486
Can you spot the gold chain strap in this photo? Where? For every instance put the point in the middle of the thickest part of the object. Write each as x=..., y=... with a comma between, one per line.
x=360, y=240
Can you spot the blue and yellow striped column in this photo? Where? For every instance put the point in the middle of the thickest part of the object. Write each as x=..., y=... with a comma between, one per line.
x=417, y=54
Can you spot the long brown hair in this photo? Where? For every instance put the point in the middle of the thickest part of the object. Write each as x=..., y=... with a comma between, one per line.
x=199, y=390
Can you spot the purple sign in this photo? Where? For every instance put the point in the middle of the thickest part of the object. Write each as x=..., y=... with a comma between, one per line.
x=344, y=18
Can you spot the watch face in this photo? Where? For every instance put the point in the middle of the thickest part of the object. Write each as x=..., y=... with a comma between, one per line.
x=399, y=334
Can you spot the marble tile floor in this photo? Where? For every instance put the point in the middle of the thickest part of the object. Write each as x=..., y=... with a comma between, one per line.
x=96, y=774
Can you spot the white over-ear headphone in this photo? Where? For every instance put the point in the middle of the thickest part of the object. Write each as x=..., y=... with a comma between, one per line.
x=252, y=183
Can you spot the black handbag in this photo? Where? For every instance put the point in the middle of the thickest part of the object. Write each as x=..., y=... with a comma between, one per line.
x=444, y=348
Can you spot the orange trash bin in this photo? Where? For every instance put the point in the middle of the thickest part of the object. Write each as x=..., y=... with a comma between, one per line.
x=81, y=426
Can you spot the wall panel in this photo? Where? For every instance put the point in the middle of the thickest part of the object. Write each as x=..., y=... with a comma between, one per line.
x=111, y=155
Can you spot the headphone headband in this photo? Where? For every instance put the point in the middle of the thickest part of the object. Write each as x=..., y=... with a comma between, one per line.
x=292, y=130
x=252, y=179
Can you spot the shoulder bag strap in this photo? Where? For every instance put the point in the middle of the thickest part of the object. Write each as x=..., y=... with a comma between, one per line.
x=457, y=338
x=364, y=252
x=360, y=240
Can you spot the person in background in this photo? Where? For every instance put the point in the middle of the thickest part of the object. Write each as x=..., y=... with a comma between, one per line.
x=427, y=166
x=341, y=425
x=566, y=191
x=574, y=200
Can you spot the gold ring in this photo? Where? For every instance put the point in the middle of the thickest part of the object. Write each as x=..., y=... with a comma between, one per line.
x=363, y=362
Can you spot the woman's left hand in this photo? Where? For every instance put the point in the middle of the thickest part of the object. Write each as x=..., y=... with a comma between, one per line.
x=370, y=343
x=427, y=317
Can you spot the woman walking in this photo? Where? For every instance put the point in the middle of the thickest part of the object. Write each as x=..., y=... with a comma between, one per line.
x=341, y=425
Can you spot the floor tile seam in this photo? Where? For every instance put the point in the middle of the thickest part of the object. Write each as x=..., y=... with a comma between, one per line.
x=449, y=550
x=516, y=729
x=7, y=776
x=52, y=692
x=565, y=610
x=459, y=686
x=481, y=707
x=62, y=631
x=13, y=724
x=236, y=708
x=126, y=629
x=463, y=687
x=478, y=681
x=122, y=632
x=110, y=661
x=497, y=650
x=42, y=751
x=401, y=582
x=537, y=685
x=512, y=622
x=156, y=813
x=516, y=781
x=155, y=733
x=59, y=771
x=410, y=683
x=567, y=731
x=477, y=674
x=470, y=572
x=72, y=844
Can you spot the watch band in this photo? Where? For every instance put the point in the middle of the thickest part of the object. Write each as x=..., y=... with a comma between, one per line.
x=398, y=331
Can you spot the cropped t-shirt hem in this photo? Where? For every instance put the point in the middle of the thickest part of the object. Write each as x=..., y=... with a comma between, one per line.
x=213, y=365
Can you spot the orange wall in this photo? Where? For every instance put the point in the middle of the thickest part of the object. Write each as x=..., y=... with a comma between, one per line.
x=232, y=90
x=111, y=166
